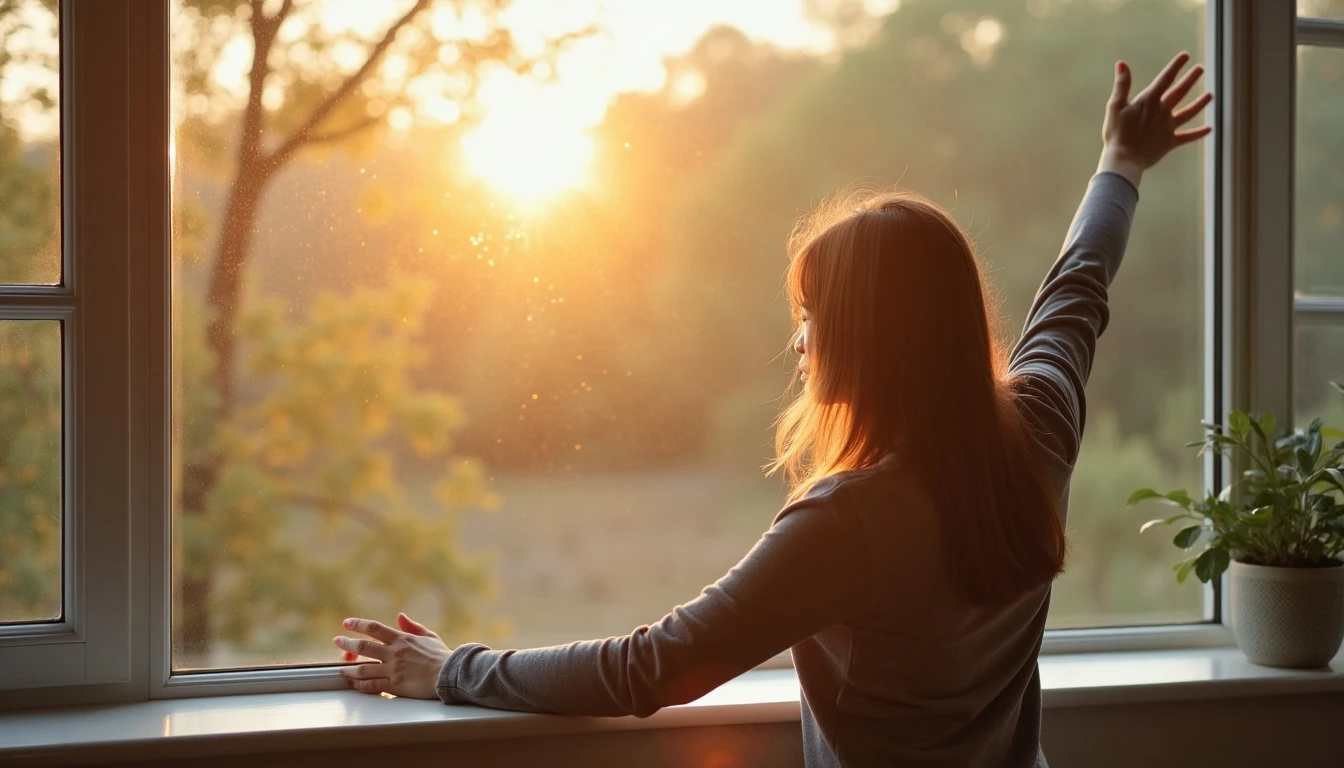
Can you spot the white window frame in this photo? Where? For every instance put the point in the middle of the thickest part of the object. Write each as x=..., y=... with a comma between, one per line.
x=89, y=653
x=1309, y=309
x=115, y=128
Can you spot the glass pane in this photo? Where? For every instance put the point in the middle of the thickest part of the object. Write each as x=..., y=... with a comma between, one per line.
x=1319, y=236
x=1319, y=357
x=1321, y=9
x=500, y=349
x=30, y=152
x=30, y=470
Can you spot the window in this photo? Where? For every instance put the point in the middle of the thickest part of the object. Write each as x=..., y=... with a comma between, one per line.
x=1319, y=217
x=65, y=352
x=1323, y=9
x=30, y=536
x=498, y=303
x=491, y=333
x=32, y=466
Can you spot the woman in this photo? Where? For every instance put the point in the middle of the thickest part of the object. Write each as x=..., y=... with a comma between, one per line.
x=910, y=571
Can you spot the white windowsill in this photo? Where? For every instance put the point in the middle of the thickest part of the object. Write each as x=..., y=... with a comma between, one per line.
x=186, y=727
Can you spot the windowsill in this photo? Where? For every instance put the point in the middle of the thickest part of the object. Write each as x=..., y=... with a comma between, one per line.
x=186, y=727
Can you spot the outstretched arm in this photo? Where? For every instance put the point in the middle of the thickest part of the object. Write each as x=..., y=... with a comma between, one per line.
x=802, y=576
x=1053, y=359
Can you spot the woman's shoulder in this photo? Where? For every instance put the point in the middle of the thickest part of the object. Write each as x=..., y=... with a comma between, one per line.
x=873, y=497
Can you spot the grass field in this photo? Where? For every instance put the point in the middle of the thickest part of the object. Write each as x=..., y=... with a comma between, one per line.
x=578, y=556
x=575, y=556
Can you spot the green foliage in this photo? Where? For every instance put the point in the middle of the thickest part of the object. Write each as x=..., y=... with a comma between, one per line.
x=310, y=519
x=30, y=470
x=1286, y=510
x=30, y=393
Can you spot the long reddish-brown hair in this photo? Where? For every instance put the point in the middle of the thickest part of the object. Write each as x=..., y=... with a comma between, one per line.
x=902, y=357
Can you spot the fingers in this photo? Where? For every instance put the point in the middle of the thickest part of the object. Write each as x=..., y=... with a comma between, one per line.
x=1120, y=91
x=377, y=685
x=368, y=671
x=1165, y=78
x=1176, y=94
x=412, y=627
x=376, y=630
x=1187, y=113
x=366, y=648
x=1194, y=134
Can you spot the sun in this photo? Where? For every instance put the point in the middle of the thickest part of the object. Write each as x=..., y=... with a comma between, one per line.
x=527, y=157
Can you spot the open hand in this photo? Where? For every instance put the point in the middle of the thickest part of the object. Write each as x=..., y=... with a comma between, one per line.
x=1140, y=131
x=407, y=661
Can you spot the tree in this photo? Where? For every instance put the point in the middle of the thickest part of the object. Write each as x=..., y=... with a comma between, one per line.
x=326, y=392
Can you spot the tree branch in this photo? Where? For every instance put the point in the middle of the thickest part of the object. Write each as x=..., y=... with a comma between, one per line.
x=362, y=514
x=359, y=126
x=263, y=37
x=304, y=133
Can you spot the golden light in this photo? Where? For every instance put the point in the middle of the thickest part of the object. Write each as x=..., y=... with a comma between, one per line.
x=526, y=156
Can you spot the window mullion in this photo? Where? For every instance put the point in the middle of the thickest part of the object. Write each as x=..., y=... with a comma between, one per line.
x=1258, y=93
x=1320, y=32
x=1258, y=124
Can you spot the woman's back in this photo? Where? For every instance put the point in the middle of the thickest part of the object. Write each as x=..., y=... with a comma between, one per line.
x=922, y=677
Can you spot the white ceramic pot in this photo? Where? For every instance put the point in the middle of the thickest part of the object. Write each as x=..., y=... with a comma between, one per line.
x=1288, y=617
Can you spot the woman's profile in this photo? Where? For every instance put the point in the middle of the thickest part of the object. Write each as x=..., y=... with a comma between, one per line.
x=929, y=467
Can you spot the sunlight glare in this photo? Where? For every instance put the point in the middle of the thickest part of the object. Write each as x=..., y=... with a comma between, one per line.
x=534, y=141
x=526, y=159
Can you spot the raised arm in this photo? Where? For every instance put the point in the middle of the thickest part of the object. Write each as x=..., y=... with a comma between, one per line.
x=802, y=576
x=1053, y=359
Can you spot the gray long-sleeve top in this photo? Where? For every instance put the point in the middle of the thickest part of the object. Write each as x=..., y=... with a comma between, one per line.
x=895, y=668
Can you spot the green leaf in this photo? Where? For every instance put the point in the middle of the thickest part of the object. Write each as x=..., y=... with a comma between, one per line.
x=1316, y=551
x=1336, y=477
x=1179, y=498
x=1160, y=521
x=1337, y=386
x=1182, y=570
x=1305, y=461
x=1260, y=516
x=1239, y=423
x=1143, y=494
x=1332, y=432
x=1314, y=446
x=1188, y=536
x=1267, y=424
x=1211, y=564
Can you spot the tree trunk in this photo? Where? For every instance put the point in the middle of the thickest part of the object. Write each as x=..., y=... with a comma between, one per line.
x=192, y=632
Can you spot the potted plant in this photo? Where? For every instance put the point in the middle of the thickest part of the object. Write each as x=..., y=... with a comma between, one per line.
x=1280, y=527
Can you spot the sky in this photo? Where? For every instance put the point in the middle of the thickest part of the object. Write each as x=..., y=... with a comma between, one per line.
x=627, y=53
x=633, y=39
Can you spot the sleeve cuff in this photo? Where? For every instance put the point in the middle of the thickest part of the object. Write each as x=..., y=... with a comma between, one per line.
x=448, y=687
x=1111, y=177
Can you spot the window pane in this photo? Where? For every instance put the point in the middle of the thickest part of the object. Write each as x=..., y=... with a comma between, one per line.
x=1319, y=233
x=1319, y=360
x=30, y=172
x=1321, y=9
x=501, y=349
x=30, y=470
